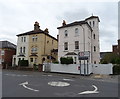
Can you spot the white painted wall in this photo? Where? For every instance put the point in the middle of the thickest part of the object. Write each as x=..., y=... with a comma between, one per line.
x=103, y=69
x=22, y=44
x=72, y=38
x=95, y=42
x=73, y=68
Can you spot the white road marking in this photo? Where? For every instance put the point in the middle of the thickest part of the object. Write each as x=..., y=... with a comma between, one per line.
x=49, y=75
x=90, y=92
x=16, y=75
x=59, y=84
x=24, y=85
x=68, y=79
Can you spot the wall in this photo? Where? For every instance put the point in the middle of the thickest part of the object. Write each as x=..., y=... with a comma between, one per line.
x=71, y=38
x=22, y=44
x=73, y=68
x=102, y=69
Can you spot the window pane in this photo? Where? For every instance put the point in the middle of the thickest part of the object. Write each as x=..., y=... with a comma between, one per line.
x=66, y=46
x=76, y=31
x=66, y=33
x=31, y=59
x=76, y=44
x=94, y=49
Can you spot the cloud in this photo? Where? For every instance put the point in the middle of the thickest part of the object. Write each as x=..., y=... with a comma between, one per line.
x=18, y=16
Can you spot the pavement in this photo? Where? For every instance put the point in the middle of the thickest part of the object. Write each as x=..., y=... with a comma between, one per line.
x=98, y=77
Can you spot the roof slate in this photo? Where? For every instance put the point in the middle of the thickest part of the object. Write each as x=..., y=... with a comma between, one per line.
x=36, y=32
x=7, y=44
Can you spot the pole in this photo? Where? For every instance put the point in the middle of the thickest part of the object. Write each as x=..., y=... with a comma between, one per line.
x=84, y=48
x=80, y=67
x=87, y=66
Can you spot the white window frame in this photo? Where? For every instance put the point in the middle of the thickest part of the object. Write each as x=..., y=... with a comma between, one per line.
x=76, y=45
x=2, y=52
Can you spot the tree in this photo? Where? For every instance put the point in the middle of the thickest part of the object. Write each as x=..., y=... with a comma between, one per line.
x=111, y=58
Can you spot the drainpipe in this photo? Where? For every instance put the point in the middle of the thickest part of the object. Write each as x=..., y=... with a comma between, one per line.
x=84, y=47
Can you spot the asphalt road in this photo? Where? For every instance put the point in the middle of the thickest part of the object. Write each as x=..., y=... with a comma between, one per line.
x=37, y=84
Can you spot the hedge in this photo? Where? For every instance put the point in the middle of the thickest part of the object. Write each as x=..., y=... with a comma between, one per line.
x=23, y=63
x=68, y=60
x=116, y=69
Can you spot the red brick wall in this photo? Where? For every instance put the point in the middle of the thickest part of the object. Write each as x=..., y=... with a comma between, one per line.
x=8, y=55
x=115, y=49
x=119, y=46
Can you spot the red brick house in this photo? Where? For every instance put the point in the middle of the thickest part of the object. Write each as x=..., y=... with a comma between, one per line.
x=7, y=50
x=116, y=48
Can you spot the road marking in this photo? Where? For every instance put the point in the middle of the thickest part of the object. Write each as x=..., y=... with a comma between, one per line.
x=49, y=75
x=68, y=79
x=59, y=84
x=90, y=92
x=26, y=83
x=16, y=75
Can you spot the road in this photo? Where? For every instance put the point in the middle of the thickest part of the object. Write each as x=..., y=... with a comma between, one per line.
x=39, y=84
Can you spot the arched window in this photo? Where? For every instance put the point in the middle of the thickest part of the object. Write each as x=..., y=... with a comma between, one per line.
x=66, y=33
x=94, y=48
x=23, y=49
x=76, y=31
x=20, y=49
x=94, y=36
x=90, y=23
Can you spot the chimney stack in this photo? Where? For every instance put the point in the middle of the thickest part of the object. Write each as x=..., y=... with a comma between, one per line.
x=64, y=23
x=36, y=26
x=46, y=30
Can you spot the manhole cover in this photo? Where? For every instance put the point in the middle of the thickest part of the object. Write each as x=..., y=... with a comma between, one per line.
x=59, y=84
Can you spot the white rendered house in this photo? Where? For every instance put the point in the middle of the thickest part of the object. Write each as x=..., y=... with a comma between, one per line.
x=22, y=49
x=79, y=36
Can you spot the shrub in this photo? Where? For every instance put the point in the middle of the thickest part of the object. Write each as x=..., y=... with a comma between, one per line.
x=35, y=67
x=116, y=69
x=68, y=60
x=56, y=62
x=23, y=63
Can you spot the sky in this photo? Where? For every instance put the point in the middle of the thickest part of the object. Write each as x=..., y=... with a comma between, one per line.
x=19, y=16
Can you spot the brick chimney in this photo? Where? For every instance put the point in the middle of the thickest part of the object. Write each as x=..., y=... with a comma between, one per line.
x=64, y=23
x=36, y=26
x=46, y=30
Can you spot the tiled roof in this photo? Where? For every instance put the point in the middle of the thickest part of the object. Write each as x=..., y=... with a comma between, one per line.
x=36, y=32
x=31, y=32
x=7, y=44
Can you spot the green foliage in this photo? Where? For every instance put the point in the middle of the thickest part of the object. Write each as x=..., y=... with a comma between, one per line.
x=68, y=60
x=56, y=62
x=111, y=58
x=35, y=67
x=116, y=69
x=23, y=63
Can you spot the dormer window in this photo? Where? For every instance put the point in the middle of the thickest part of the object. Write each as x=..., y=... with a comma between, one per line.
x=66, y=33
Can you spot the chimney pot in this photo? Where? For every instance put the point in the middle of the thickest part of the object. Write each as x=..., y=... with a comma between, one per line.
x=36, y=26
